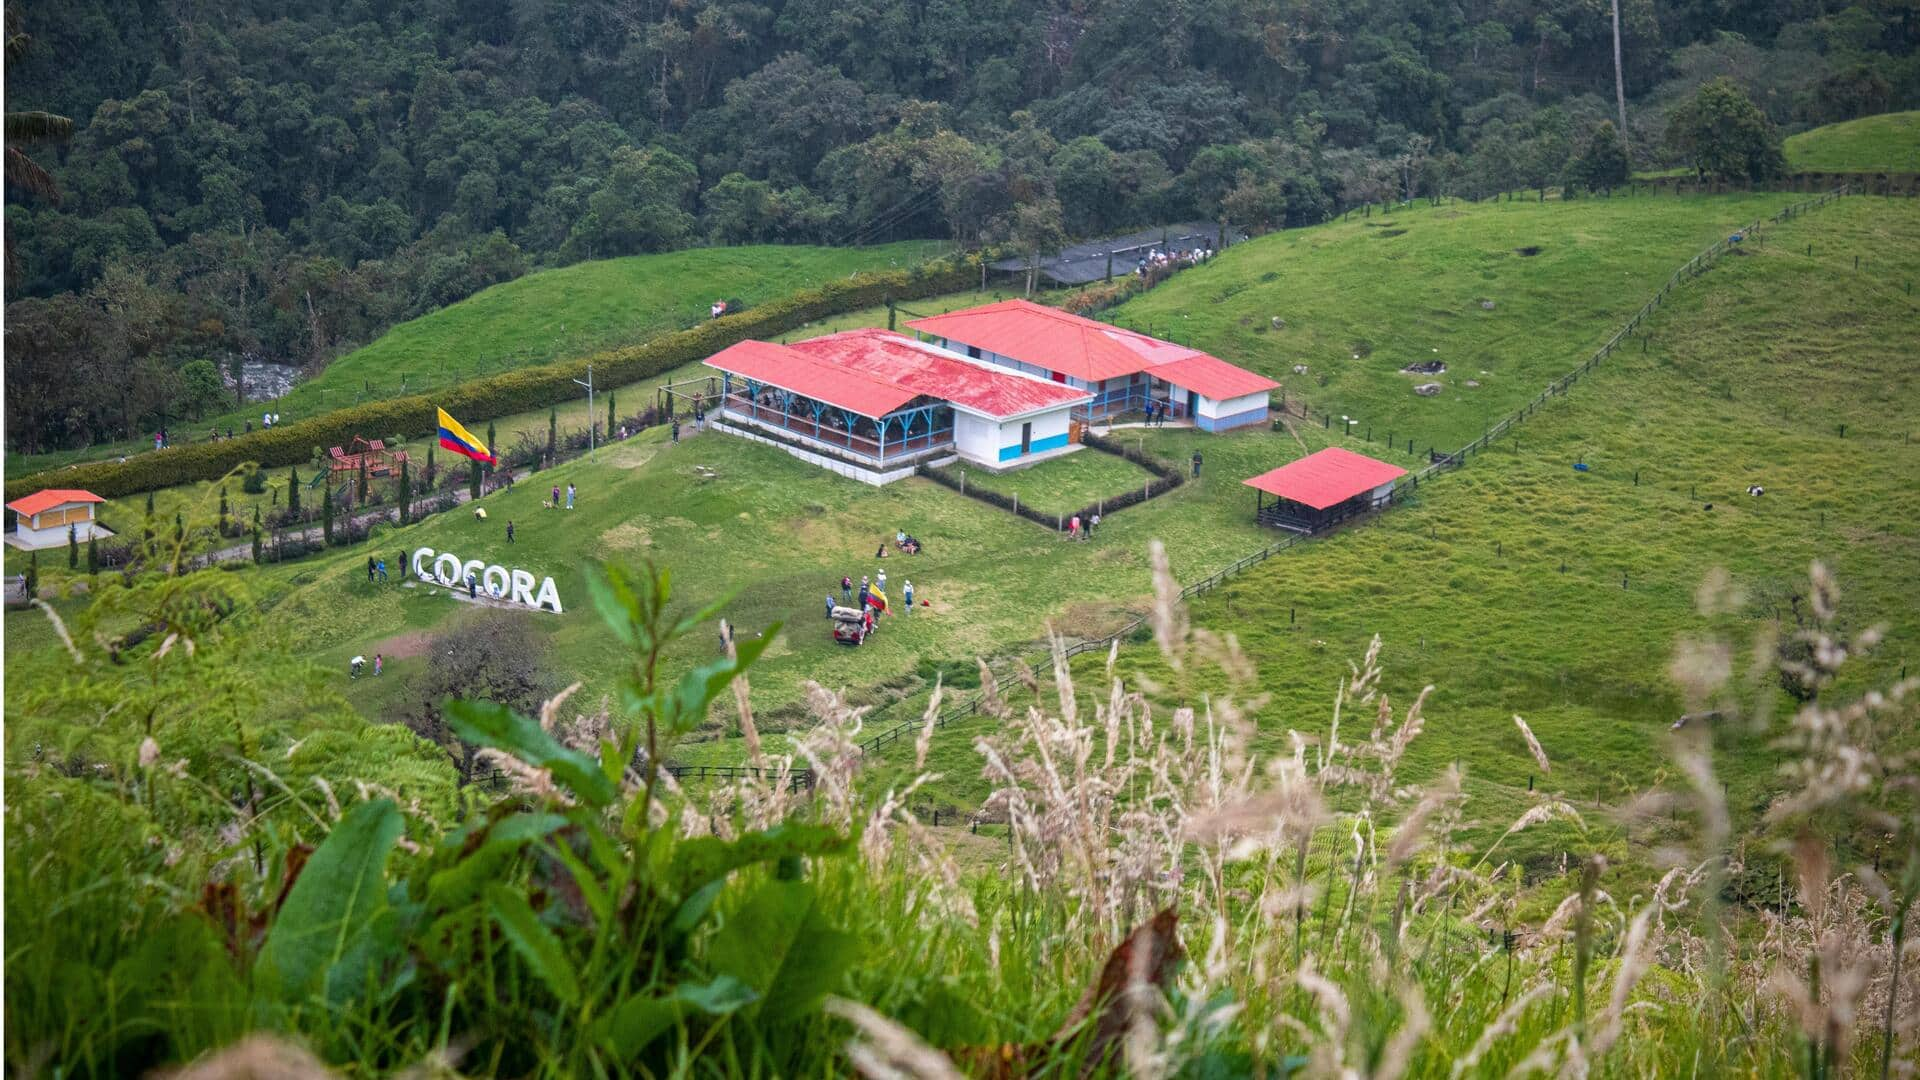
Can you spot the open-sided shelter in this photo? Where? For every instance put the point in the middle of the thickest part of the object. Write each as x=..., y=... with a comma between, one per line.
x=884, y=401
x=1121, y=369
x=47, y=516
x=1322, y=489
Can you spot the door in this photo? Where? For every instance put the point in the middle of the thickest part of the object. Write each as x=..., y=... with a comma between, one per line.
x=1193, y=405
x=1026, y=438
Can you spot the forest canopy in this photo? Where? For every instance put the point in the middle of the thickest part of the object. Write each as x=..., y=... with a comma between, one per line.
x=287, y=181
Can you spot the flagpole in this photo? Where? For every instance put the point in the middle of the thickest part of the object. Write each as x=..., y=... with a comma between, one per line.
x=590, y=413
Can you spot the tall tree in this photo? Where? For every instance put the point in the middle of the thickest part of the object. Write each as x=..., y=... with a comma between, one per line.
x=25, y=129
x=1722, y=133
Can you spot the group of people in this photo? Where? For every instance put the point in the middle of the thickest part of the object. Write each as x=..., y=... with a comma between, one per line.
x=1079, y=530
x=552, y=504
x=906, y=543
x=376, y=569
x=359, y=662
x=872, y=598
x=1157, y=411
x=1159, y=259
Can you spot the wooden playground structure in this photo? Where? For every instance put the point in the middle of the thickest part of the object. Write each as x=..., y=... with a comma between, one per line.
x=372, y=453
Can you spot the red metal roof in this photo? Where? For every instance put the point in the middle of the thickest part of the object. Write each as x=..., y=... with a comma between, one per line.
x=790, y=369
x=924, y=369
x=1083, y=348
x=50, y=498
x=1326, y=478
x=1212, y=377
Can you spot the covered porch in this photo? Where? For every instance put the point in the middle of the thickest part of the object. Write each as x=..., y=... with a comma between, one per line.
x=920, y=427
x=1133, y=398
x=1322, y=489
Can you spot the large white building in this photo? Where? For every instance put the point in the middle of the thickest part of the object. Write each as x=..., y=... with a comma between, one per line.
x=1121, y=370
x=879, y=403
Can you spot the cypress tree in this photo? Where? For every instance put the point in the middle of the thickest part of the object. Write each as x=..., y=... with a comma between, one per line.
x=553, y=434
x=493, y=447
x=33, y=574
x=293, y=492
x=430, y=469
x=256, y=545
x=93, y=554
x=473, y=479
x=73, y=547
x=179, y=528
x=223, y=509
x=360, y=492
x=326, y=513
x=406, y=495
x=610, y=416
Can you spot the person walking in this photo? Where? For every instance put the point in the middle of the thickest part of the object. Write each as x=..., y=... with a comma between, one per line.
x=569, y=494
x=906, y=593
x=830, y=605
x=880, y=581
x=554, y=504
x=376, y=665
x=383, y=576
x=846, y=588
x=676, y=431
x=1073, y=527
x=1196, y=464
x=370, y=568
x=473, y=587
x=354, y=665
x=509, y=532
x=1092, y=524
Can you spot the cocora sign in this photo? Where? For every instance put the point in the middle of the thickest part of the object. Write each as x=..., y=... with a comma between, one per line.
x=515, y=586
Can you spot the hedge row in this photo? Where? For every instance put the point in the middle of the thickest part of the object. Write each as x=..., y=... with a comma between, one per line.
x=501, y=395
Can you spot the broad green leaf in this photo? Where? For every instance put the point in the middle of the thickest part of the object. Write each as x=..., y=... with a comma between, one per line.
x=328, y=935
x=487, y=860
x=536, y=944
x=487, y=723
x=637, y=1021
x=590, y=888
x=706, y=859
x=615, y=601
x=699, y=687
x=780, y=944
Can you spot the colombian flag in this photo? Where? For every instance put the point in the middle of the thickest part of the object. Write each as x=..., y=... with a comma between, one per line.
x=461, y=441
x=878, y=599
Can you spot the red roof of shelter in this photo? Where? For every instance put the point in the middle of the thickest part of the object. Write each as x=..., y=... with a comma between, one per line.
x=50, y=498
x=1213, y=377
x=924, y=369
x=790, y=369
x=1326, y=478
x=1083, y=348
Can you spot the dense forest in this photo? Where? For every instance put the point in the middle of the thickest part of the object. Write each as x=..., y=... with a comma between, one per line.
x=286, y=180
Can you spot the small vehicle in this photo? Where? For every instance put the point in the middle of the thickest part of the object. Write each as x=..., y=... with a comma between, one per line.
x=849, y=626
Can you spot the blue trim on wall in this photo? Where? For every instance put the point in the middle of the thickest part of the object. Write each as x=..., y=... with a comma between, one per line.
x=1037, y=446
x=1223, y=423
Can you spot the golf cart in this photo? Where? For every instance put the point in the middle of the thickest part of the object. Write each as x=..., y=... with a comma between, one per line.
x=849, y=626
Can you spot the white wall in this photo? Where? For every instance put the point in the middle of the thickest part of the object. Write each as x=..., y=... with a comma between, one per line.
x=976, y=438
x=1234, y=406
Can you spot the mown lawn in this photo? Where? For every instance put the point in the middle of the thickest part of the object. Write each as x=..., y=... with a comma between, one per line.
x=545, y=316
x=1062, y=485
x=1889, y=142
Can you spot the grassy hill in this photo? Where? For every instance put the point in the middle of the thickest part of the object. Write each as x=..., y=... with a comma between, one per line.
x=550, y=315
x=1507, y=295
x=1889, y=142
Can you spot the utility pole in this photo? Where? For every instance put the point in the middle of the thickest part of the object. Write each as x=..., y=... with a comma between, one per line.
x=1619, y=80
x=589, y=385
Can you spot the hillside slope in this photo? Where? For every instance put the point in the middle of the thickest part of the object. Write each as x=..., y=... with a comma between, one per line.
x=1889, y=142
x=545, y=316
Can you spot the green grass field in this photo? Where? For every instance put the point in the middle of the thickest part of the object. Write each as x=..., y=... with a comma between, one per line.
x=1752, y=370
x=1889, y=142
x=1519, y=585
x=1364, y=298
x=1062, y=485
x=545, y=316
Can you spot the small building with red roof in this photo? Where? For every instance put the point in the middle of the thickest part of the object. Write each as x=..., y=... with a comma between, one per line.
x=1123, y=370
x=1322, y=489
x=46, y=518
x=885, y=402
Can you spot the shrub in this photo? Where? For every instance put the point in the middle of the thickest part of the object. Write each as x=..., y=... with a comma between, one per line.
x=499, y=395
